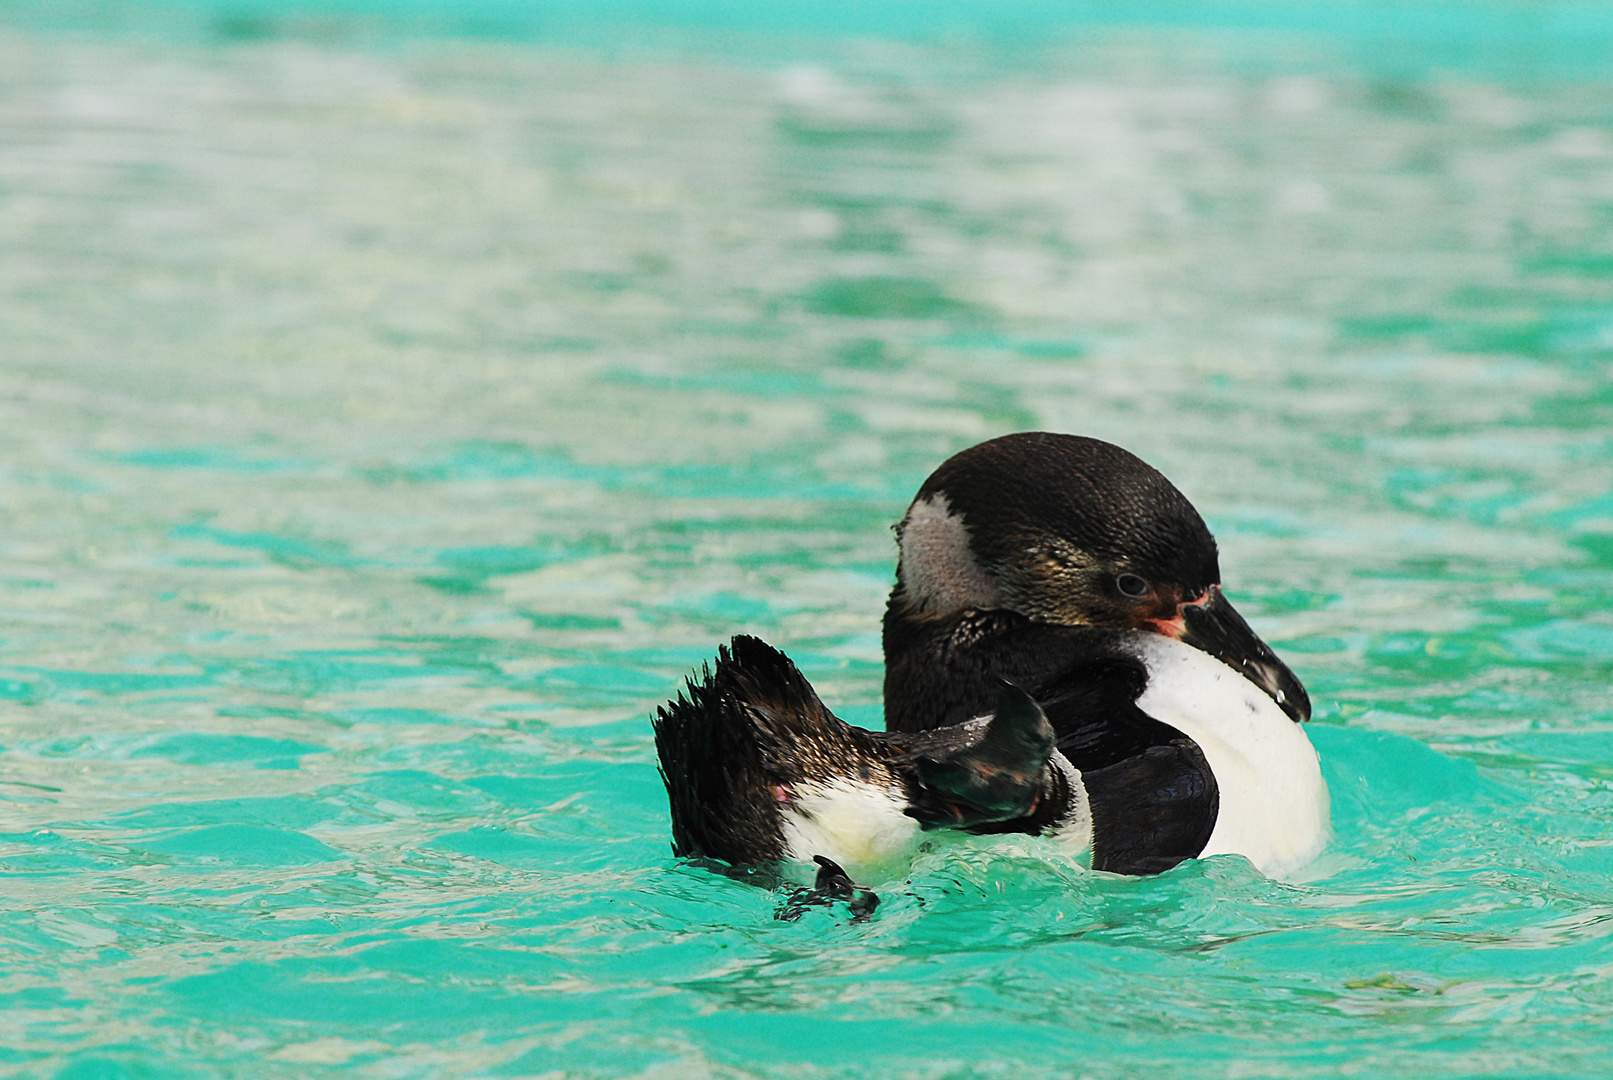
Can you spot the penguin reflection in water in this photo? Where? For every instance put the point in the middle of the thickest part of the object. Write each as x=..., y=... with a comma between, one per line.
x=1059, y=661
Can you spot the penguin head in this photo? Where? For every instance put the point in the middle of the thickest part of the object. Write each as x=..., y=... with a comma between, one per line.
x=1077, y=532
x=1058, y=528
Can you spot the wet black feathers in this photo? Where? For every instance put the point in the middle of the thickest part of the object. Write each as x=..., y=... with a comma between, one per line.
x=942, y=671
x=715, y=779
x=1153, y=810
x=735, y=742
x=1014, y=490
x=797, y=737
x=1153, y=798
x=980, y=773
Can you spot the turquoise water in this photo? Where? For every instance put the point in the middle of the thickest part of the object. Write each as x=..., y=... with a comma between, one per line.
x=395, y=404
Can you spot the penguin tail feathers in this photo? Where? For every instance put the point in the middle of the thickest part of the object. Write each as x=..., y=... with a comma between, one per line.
x=733, y=744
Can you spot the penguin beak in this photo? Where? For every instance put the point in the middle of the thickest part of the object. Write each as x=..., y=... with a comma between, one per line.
x=1214, y=625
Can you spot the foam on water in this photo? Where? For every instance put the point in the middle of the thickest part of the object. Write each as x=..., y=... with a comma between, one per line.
x=388, y=423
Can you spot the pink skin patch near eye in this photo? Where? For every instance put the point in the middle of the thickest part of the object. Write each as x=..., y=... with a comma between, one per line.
x=1176, y=627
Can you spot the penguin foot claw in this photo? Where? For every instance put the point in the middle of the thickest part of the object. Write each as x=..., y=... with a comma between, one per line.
x=831, y=884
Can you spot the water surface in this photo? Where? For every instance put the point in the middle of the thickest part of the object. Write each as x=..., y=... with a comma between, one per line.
x=390, y=417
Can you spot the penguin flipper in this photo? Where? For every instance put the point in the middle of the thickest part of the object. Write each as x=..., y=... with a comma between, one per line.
x=1152, y=811
x=975, y=774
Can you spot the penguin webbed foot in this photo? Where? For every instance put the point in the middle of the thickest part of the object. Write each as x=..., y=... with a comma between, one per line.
x=832, y=884
x=958, y=778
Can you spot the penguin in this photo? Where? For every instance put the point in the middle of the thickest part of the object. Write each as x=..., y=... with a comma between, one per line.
x=1074, y=569
x=1035, y=571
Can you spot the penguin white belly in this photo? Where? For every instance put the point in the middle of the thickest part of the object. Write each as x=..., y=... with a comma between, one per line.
x=1273, y=801
x=863, y=826
x=859, y=825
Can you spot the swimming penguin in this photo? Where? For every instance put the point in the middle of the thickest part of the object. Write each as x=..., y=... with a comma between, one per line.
x=1069, y=570
x=1074, y=569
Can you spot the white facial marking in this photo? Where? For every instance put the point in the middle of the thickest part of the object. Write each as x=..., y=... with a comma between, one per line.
x=938, y=569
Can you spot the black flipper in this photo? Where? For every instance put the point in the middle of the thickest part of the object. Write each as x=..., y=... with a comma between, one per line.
x=1154, y=799
x=1152, y=811
x=944, y=671
x=997, y=775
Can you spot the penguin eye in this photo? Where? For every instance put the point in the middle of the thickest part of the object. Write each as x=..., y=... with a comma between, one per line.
x=1131, y=585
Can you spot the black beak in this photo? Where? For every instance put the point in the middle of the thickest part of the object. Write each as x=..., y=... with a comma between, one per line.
x=1216, y=627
